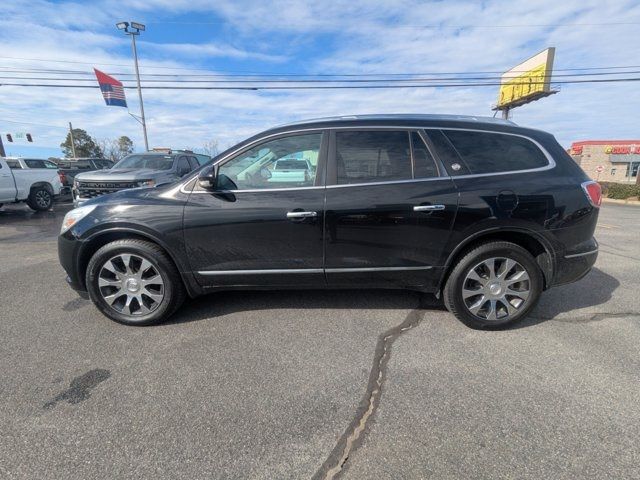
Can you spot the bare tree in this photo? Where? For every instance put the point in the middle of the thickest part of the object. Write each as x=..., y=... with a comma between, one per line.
x=116, y=148
x=211, y=148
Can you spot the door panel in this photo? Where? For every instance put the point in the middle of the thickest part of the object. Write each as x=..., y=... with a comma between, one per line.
x=376, y=238
x=7, y=187
x=245, y=238
x=264, y=230
x=385, y=226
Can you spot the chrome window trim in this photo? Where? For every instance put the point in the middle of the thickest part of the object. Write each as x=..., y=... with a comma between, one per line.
x=548, y=156
x=278, y=271
x=391, y=182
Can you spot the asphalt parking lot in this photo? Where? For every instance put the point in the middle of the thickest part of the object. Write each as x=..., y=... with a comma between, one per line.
x=287, y=384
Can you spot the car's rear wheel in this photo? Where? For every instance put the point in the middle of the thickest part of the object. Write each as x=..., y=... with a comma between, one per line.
x=493, y=285
x=40, y=199
x=134, y=282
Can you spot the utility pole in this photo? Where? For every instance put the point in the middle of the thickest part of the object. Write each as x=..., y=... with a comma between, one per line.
x=73, y=144
x=2, y=154
x=139, y=27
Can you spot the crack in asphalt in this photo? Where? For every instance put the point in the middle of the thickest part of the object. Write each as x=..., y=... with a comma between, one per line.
x=353, y=436
x=596, y=317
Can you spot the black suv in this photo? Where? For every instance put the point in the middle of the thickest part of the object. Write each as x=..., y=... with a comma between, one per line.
x=480, y=211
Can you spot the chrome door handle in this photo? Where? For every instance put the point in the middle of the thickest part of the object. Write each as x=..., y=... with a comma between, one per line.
x=427, y=208
x=302, y=214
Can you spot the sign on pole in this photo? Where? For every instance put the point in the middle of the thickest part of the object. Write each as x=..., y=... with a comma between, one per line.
x=527, y=81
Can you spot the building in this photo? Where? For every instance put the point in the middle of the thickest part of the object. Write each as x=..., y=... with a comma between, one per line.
x=608, y=160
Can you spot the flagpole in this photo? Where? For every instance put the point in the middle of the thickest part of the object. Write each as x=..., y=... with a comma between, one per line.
x=136, y=28
x=144, y=124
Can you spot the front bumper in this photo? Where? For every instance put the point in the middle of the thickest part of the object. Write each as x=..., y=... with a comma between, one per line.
x=68, y=254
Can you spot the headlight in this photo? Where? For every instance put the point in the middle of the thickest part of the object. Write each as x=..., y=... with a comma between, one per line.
x=146, y=183
x=74, y=216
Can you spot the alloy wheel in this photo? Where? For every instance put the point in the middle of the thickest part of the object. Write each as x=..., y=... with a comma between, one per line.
x=43, y=198
x=131, y=284
x=496, y=288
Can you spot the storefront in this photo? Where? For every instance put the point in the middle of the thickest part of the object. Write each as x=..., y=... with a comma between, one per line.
x=608, y=160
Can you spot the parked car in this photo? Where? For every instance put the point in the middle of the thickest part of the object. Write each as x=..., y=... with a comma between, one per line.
x=480, y=212
x=68, y=168
x=29, y=180
x=291, y=170
x=137, y=170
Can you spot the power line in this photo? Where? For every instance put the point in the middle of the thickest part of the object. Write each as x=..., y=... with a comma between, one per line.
x=220, y=73
x=31, y=123
x=323, y=87
x=221, y=78
x=443, y=26
x=321, y=80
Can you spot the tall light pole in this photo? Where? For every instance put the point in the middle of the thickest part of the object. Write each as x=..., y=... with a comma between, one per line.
x=136, y=28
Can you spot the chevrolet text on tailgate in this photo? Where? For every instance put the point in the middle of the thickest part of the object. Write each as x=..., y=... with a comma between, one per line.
x=481, y=212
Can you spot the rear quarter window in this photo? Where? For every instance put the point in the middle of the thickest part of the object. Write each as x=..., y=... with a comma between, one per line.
x=488, y=152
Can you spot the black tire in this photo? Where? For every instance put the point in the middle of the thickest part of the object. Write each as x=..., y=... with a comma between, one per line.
x=40, y=199
x=173, y=289
x=453, y=290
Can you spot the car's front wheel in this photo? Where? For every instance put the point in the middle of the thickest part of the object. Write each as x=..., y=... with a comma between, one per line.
x=134, y=282
x=493, y=285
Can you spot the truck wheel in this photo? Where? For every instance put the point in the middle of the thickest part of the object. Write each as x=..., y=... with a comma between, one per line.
x=134, y=282
x=493, y=285
x=40, y=199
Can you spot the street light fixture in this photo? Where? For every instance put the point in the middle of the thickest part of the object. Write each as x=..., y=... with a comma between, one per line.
x=138, y=27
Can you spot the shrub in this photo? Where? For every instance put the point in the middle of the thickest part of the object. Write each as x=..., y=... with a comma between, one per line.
x=620, y=191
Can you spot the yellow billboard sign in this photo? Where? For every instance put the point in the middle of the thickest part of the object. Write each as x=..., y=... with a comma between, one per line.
x=527, y=81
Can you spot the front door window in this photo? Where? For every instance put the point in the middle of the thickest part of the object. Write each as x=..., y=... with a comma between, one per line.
x=287, y=162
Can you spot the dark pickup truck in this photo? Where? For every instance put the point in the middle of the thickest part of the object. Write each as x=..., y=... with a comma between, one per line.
x=68, y=168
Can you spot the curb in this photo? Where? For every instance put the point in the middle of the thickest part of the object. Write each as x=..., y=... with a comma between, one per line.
x=621, y=202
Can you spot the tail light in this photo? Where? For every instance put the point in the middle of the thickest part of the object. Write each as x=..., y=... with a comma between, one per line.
x=593, y=191
x=62, y=177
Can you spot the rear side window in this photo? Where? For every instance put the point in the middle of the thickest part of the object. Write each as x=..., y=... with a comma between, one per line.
x=423, y=164
x=487, y=152
x=35, y=163
x=14, y=164
x=103, y=163
x=193, y=162
x=372, y=156
x=183, y=166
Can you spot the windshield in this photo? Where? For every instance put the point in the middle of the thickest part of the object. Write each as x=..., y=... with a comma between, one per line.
x=154, y=162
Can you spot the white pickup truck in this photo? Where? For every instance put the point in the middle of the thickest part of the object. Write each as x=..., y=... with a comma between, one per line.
x=22, y=180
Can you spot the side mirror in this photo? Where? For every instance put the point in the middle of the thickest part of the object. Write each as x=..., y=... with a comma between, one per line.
x=207, y=178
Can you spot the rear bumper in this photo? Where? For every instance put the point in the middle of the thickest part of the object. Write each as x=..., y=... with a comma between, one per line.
x=574, y=265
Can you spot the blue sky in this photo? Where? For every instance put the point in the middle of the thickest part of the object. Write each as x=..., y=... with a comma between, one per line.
x=344, y=36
